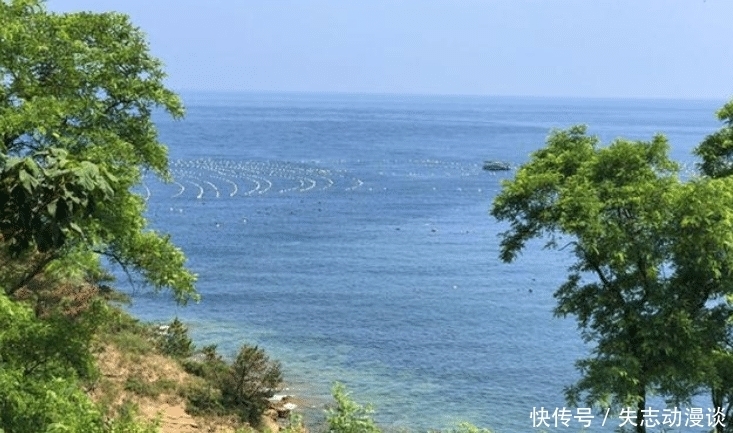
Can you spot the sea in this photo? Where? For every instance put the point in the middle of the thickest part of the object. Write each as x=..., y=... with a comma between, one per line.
x=349, y=236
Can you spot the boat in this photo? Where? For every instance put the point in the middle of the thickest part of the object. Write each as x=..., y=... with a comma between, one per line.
x=497, y=166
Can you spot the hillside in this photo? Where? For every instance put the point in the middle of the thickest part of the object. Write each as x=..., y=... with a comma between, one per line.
x=135, y=375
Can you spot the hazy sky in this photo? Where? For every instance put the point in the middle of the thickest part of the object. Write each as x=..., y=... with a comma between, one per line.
x=594, y=48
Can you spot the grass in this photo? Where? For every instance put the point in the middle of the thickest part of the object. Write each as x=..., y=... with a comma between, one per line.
x=144, y=388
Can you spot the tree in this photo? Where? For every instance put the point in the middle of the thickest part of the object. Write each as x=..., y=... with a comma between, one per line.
x=250, y=381
x=77, y=92
x=652, y=269
x=175, y=341
x=716, y=153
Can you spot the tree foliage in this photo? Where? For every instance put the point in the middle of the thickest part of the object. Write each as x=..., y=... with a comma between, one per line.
x=42, y=365
x=251, y=380
x=175, y=341
x=716, y=151
x=652, y=268
x=77, y=92
x=241, y=388
x=348, y=416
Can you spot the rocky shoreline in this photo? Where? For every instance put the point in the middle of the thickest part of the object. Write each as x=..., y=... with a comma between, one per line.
x=281, y=408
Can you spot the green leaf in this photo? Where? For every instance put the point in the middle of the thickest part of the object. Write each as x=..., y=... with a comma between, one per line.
x=28, y=182
x=75, y=227
x=52, y=208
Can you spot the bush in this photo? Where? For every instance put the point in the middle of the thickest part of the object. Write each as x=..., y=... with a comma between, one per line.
x=295, y=424
x=127, y=421
x=132, y=345
x=213, y=368
x=176, y=342
x=349, y=416
x=41, y=362
x=203, y=399
x=144, y=388
x=250, y=381
x=241, y=388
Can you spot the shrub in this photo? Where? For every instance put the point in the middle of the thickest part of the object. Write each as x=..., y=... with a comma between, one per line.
x=41, y=362
x=131, y=344
x=250, y=381
x=209, y=353
x=241, y=388
x=176, y=341
x=144, y=388
x=127, y=421
x=191, y=366
x=213, y=368
x=203, y=399
x=31, y=405
x=349, y=416
x=295, y=424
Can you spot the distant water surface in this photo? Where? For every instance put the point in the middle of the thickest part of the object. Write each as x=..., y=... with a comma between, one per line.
x=349, y=236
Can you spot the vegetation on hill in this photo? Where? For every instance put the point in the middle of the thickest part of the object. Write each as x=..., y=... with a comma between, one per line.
x=77, y=92
x=158, y=369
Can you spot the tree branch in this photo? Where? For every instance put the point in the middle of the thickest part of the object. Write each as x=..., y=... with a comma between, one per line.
x=120, y=262
x=35, y=270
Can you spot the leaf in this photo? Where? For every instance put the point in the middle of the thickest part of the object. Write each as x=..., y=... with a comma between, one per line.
x=75, y=227
x=28, y=182
x=51, y=207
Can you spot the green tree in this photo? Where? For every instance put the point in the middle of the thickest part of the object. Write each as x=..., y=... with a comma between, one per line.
x=716, y=151
x=349, y=416
x=651, y=270
x=175, y=341
x=716, y=154
x=77, y=92
x=250, y=381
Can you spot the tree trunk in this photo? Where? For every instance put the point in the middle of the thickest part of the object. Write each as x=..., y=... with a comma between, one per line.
x=717, y=397
x=640, y=406
x=719, y=401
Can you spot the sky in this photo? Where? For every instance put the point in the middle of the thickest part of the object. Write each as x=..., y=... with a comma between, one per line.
x=565, y=48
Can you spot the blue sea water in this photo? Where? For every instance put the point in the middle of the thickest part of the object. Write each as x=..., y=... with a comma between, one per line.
x=349, y=236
